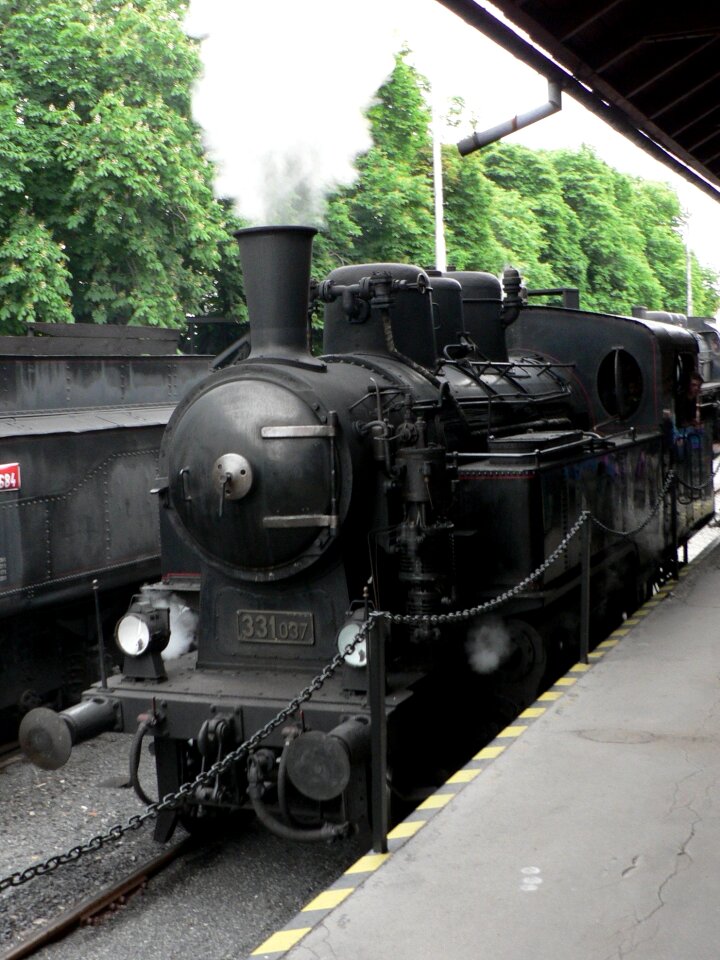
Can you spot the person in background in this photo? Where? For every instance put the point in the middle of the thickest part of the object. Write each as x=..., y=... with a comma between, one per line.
x=687, y=406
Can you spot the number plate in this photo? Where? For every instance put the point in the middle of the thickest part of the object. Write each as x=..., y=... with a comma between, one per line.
x=275, y=626
x=9, y=476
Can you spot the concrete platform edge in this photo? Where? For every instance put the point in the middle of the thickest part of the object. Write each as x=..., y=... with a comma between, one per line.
x=278, y=945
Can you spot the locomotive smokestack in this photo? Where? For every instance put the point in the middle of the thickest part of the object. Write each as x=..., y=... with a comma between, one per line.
x=276, y=273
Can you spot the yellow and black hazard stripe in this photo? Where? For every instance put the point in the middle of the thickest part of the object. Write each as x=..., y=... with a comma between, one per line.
x=310, y=916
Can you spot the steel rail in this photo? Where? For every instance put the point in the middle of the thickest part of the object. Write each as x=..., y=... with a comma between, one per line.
x=87, y=910
x=9, y=753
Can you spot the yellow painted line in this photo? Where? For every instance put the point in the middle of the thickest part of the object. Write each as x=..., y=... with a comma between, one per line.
x=533, y=712
x=328, y=899
x=641, y=613
x=619, y=633
x=280, y=941
x=436, y=801
x=565, y=682
x=489, y=753
x=550, y=695
x=597, y=654
x=579, y=668
x=510, y=732
x=650, y=603
x=368, y=863
x=463, y=776
x=631, y=622
x=407, y=829
x=684, y=572
x=608, y=643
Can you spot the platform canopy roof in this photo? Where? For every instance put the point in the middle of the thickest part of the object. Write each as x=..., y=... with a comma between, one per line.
x=650, y=70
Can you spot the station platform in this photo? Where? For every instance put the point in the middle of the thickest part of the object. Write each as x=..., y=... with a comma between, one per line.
x=590, y=828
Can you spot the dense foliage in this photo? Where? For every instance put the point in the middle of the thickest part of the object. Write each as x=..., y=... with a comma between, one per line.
x=389, y=209
x=564, y=218
x=107, y=212
x=106, y=205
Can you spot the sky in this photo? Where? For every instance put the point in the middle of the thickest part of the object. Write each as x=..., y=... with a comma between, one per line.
x=285, y=85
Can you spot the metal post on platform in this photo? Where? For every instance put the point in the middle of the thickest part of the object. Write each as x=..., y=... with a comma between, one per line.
x=100, y=637
x=378, y=736
x=674, y=527
x=585, y=590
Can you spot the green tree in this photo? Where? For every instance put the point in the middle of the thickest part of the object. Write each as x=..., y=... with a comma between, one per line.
x=531, y=173
x=33, y=274
x=618, y=273
x=387, y=214
x=104, y=167
x=705, y=289
x=470, y=197
x=564, y=218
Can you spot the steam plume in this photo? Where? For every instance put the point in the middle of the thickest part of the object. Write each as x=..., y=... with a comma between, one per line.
x=285, y=125
x=487, y=644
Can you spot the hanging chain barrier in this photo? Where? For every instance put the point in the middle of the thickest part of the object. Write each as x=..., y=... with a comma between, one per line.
x=669, y=479
x=700, y=487
x=175, y=801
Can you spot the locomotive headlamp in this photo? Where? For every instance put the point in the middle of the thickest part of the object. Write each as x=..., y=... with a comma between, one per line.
x=142, y=630
x=133, y=635
x=346, y=635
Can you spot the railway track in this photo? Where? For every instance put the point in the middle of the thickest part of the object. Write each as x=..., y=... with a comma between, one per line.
x=116, y=895
x=9, y=753
x=92, y=909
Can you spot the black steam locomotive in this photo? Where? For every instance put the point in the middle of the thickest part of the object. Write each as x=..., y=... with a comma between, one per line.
x=82, y=413
x=419, y=467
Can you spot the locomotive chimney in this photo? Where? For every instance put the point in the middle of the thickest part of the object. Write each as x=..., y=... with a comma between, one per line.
x=276, y=275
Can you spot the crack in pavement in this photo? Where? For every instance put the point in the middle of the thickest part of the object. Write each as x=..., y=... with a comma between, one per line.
x=682, y=857
x=633, y=866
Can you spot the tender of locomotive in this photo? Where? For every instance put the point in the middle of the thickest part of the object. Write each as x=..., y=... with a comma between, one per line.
x=82, y=412
x=417, y=467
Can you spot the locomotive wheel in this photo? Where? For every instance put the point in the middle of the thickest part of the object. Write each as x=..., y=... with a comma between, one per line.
x=519, y=677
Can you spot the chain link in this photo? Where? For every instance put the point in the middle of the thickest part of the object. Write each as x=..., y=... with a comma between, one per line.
x=174, y=801
x=699, y=488
x=694, y=487
x=656, y=506
x=459, y=616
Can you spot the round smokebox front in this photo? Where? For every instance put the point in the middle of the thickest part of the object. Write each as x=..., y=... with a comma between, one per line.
x=250, y=476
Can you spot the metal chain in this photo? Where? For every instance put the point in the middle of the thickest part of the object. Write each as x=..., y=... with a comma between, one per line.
x=631, y=533
x=459, y=616
x=698, y=488
x=174, y=801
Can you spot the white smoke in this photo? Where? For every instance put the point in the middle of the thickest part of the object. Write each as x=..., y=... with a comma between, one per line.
x=183, y=628
x=487, y=644
x=183, y=621
x=282, y=96
x=285, y=86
